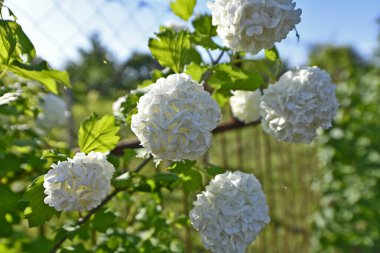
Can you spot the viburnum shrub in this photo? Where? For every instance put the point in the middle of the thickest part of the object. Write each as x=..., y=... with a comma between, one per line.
x=173, y=115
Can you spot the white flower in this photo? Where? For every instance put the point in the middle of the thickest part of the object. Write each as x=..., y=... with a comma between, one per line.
x=175, y=119
x=245, y=105
x=251, y=25
x=141, y=90
x=302, y=101
x=10, y=97
x=78, y=184
x=230, y=213
x=118, y=109
x=54, y=112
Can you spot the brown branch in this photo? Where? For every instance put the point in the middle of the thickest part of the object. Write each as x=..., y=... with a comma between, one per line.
x=227, y=126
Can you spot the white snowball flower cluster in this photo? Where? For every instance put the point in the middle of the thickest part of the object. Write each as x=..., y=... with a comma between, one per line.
x=302, y=101
x=80, y=183
x=54, y=112
x=230, y=213
x=175, y=119
x=245, y=105
x=251, y=25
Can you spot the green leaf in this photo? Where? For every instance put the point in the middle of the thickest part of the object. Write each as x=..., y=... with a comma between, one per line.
x=196, y=71
x=40, y=244
x=179, y=167
x=123, y=180
x=204, y=31
x=173, y=49
x=183, y=8
x=39, y=72
x=103, y=220
x=272, y=54
x=221, y=96
x=8, y=42
x=203, y=25
x=98, y=134
x=168, y=180
x=54, y=155
x=227, y=77
x=214, y=170
x=190, y=178
x=37, y=212
x=129, y=106
x=6, y=228
x=15, y=43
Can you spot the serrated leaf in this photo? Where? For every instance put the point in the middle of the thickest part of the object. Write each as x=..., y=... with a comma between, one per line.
x=204, y=31
x=173, y=49
x=98, y=134
x=227, y=77
x=196, y=71
x=129, y=106
x=15, y=43
x=214, y=170
x=37, y=212
x=272, y=54
x=183, y=8
x=54, y=155
x=203, y=25
x=191, y=179
x=39, y=72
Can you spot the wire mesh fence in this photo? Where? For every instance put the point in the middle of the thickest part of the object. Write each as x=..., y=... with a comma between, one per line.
x=58, y=28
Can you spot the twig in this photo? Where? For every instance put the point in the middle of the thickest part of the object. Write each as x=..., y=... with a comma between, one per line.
x=211, y=58
x=230, y=125
x=142, y=164
x=219, y=58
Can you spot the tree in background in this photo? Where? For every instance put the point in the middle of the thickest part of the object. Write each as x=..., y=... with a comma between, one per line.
x=349, y=217
x=97, y=69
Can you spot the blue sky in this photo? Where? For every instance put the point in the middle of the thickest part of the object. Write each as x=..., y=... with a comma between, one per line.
x=59, y=27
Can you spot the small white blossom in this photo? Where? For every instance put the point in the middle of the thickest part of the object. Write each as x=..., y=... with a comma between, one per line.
x=54, y=112
x=78, y=184
x=142, y=90
x=251, y=25
x=175, y=119
x=302, y=101
x=245, y=105
x=230, y=213
x=117, y=108
x=10, y=97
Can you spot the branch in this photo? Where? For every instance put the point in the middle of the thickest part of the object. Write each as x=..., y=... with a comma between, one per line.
x=83, y=220
x=230, y=125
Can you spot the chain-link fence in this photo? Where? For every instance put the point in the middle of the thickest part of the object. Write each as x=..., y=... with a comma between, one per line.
x=58, y=28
